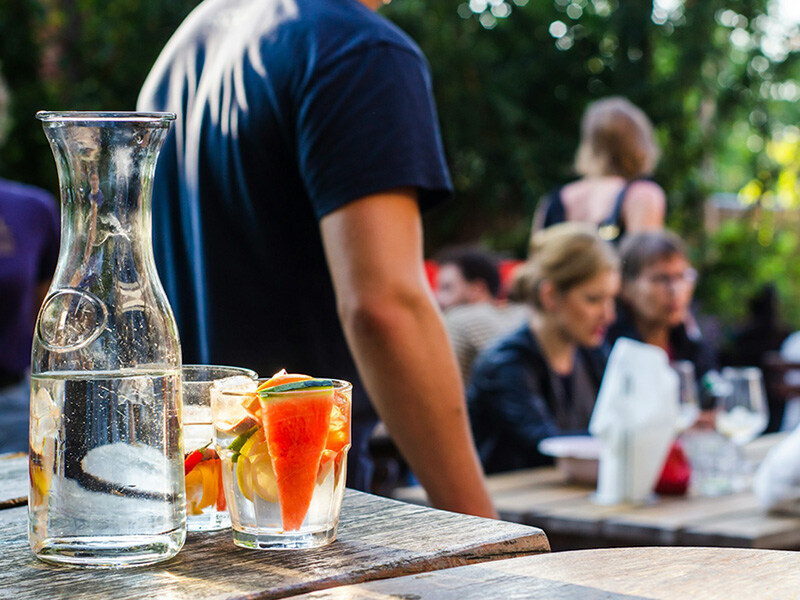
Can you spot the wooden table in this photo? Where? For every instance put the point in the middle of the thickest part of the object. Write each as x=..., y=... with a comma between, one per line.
x=543, y=498
x=378, y=538
x=607, y=574
x=13, y=480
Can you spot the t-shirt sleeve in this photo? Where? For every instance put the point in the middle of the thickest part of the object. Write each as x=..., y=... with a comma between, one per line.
x=368, y=124
x=50, y=239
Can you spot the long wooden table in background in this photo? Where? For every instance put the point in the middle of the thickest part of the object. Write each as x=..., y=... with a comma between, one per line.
x=543, y=498
x=378, y=538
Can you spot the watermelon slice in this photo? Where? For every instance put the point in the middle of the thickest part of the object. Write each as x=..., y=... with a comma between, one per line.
x=296, y=428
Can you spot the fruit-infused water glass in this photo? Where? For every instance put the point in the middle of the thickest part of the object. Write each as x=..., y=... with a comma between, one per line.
x=284, y=451
x=206, y=508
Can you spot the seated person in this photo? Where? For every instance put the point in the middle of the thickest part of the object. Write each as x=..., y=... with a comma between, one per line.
x=657, y=288
x=542, y=379
x=29, y=234
x=467, y=289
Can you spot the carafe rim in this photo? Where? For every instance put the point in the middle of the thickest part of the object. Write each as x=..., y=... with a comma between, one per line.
x=98, y=116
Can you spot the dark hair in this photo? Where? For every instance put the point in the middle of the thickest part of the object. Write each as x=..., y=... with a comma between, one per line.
x=640, y=250
x=474, y=264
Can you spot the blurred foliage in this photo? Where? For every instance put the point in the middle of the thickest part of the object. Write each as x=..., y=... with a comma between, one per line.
x=775, y=186
x=742, y=257
x=511, y=79
x=73, y=55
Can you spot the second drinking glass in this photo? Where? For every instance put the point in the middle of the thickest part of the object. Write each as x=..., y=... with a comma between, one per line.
x=206, y=507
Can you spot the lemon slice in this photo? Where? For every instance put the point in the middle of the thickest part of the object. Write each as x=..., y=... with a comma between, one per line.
x=244, y=477
x=254, y=472
x=263, y=477
x=244, y=468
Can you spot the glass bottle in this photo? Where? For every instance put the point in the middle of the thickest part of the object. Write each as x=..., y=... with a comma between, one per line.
x=106, y=458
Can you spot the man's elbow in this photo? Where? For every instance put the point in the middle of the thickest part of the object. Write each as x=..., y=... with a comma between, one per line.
x=372, y=314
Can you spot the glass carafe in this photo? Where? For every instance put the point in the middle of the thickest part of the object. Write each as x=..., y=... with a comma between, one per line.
x=106, y=458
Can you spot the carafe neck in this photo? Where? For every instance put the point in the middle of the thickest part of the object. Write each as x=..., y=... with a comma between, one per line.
x=106, y=163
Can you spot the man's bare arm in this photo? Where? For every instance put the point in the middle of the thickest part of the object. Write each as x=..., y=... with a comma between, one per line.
x=398, y=340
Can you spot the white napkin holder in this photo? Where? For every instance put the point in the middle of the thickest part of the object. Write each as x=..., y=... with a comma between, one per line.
x=635, y=420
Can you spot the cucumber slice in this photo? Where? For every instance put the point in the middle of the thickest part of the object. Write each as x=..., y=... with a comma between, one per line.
x=305, y=384
x=236, y=445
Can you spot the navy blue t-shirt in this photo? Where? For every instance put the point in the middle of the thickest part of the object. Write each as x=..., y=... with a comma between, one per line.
x=29, y=233
x=287, y=110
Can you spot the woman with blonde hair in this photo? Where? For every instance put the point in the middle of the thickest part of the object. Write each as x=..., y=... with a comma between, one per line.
x=542, y=379
x=616, y=156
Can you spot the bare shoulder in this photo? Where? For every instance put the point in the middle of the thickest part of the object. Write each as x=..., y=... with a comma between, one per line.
x=645, y=206
x=648, y=191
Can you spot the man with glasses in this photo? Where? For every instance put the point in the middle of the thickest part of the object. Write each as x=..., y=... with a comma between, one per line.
x=657, y=288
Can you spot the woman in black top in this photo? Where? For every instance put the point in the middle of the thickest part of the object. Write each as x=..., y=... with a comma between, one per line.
x=617, y=154
x=542, y=379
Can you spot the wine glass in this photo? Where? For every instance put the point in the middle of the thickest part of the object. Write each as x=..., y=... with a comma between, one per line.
x=742, y=413
x=689, y=404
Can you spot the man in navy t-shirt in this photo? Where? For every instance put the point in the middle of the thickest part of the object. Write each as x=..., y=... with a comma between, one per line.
x=287, y=216
x=28, y=254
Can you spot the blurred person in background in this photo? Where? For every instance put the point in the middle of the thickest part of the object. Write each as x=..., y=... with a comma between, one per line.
x=764, y=332
x=467, y=289
x=616, y=156
x=286, y=217
x=657, y=287
x=542, y=380
x=29, y=239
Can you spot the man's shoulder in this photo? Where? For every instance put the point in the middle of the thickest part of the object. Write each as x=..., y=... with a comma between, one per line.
x=322, y=25
x=347, y=23
x=503, y=317
x=308, y=34
x=467, y=312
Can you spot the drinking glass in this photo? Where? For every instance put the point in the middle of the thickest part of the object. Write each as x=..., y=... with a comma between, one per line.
x=687, y=394
x=715, y=460
x=284, y=459
x=742, y=413
x=205, y=499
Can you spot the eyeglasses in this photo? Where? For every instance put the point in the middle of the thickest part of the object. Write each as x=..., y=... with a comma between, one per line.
x=687, y=278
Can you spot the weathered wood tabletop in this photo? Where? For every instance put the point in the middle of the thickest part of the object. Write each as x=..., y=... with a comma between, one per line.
x=377, y=538
x=13, y=480
x=607, y=574
x=543, y=498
